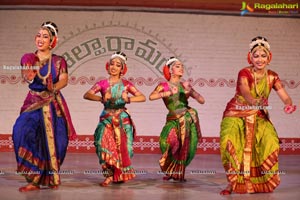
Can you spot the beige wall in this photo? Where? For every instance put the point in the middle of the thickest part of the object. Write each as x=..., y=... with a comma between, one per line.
x=212, y=47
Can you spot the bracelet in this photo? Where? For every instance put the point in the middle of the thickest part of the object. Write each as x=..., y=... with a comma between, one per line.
x=54, y=89
x=197, y=95
x=102, y=100
x=161, y=96
x=255, y=102
x=28, y=81
x=128, y=100
x=258, y=102
x=164, y=94
x=194, y=93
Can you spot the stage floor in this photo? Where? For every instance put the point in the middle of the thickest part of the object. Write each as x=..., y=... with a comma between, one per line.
x=205, y=179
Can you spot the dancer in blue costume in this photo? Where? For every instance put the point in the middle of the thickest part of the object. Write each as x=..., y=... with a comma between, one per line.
x=42, y=131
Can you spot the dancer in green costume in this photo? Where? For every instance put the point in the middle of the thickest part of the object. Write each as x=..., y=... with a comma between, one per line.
x=181, y=133
x=115, y=131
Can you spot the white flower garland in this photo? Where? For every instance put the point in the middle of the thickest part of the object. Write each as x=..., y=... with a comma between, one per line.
x=120, y=56
x=259, y=42
x=170, y=61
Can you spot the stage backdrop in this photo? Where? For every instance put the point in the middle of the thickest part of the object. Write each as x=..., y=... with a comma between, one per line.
x=213, y=49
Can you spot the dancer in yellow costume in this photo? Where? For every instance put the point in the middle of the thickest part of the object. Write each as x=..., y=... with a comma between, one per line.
x=248, y=140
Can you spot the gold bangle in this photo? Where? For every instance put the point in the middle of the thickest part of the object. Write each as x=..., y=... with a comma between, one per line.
x=197, y=95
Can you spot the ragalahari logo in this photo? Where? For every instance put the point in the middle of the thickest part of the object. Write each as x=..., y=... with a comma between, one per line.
x=246, y=8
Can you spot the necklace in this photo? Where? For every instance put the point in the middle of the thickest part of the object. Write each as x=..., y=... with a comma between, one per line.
x=48, y=72
x=256, y=80
x=176, y=84
x=112, y=83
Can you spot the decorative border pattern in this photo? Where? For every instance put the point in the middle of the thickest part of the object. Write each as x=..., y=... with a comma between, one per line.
x=150, y=145
x=201, y=82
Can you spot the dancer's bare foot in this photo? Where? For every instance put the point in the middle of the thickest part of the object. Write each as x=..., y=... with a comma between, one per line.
x=106, y=182
x=29, y=187
x=227, y=190
x=54, y=187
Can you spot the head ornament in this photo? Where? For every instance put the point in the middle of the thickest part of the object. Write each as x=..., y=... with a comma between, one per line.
x=53, y=31
x=166, y=68
x=123, y=58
